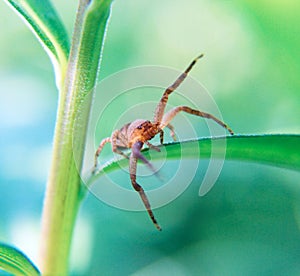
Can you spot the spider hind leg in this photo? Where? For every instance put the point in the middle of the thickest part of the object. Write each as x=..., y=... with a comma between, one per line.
x=99, y=149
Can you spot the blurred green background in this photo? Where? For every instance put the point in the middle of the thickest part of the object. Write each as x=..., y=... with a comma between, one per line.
x=249, y=223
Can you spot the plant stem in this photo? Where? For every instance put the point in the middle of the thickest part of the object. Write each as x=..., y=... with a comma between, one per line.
x=63, y=187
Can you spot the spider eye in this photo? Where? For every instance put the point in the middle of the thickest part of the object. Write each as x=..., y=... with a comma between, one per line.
x=139, y=127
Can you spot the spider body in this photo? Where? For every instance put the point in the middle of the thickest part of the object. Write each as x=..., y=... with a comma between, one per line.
x=140, y=130
x=137, y=133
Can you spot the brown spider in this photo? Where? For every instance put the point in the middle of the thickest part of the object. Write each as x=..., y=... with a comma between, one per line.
x=137, y=133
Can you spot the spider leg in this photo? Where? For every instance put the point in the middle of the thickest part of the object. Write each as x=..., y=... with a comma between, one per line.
x=132, y=167
x=152, y=146
x=172, y=132
x=161, y=136
x=117, y=134
x=101, y=145
x=159, y=112
x=116, y=150
x=173, y=112
x=136, y=151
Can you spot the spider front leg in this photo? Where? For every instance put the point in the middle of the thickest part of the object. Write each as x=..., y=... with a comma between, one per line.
x=136, y=154
x=173, y=112
x=160, y=109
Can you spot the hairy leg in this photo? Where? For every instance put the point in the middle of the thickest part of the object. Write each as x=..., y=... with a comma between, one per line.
x=172, y=132
x=173, y=112
x=114, y=137
x=132, y=168
x=161, y=136
x=160, y=109
x=136, y=152
x=101, y=145
x=152, y=146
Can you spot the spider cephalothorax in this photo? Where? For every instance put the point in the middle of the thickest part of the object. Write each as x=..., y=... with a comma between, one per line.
x=137, y=133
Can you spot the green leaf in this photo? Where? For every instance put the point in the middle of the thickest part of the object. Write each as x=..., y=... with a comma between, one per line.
x=47, y=26
x=15, y=262
x=276, y=150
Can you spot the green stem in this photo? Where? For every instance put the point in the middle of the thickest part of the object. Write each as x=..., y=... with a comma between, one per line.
x=63, y=188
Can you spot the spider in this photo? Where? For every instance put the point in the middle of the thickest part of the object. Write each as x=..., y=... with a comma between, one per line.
x=137, y=133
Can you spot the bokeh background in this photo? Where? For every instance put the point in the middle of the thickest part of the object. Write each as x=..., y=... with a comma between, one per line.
x=250, y=222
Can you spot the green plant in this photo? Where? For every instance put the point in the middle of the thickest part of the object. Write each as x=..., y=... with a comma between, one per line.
x=76, y=73
x=76, y=70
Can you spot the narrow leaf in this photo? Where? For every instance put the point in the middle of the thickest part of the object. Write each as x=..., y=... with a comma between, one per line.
x=15, y=262
x=276, y=150
x=43, y=20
